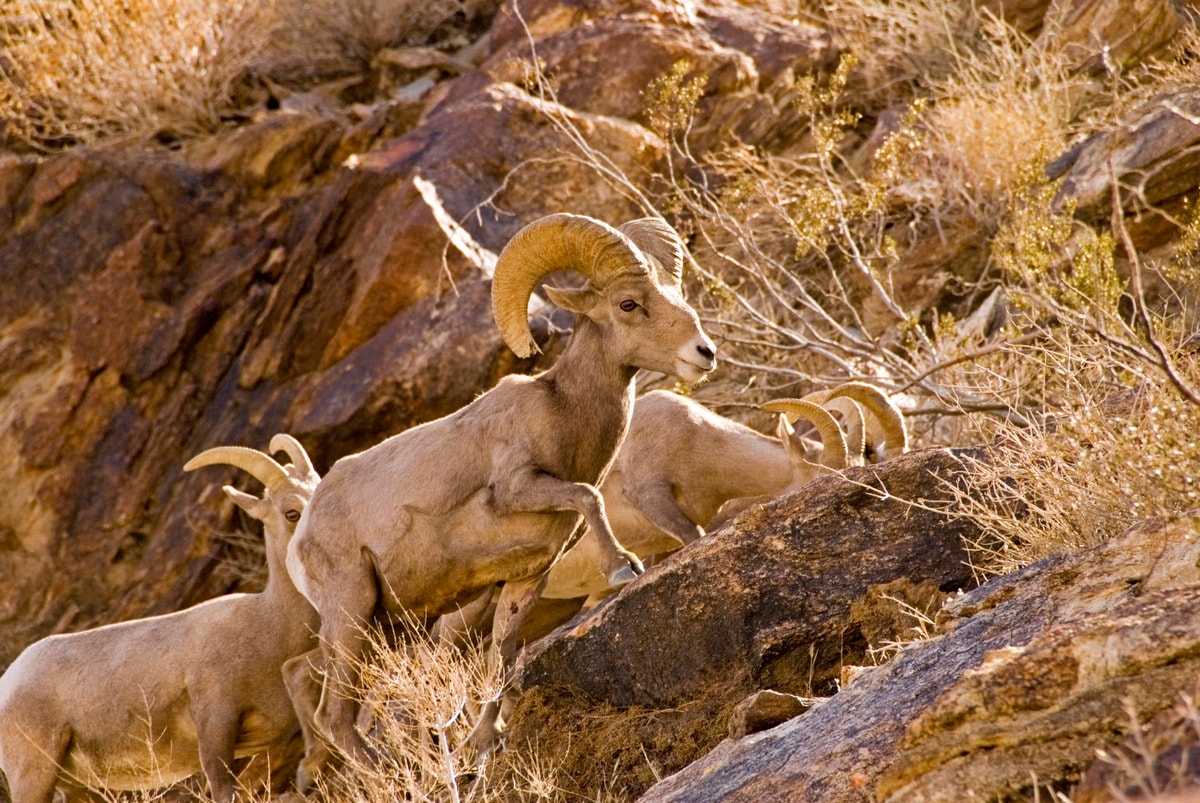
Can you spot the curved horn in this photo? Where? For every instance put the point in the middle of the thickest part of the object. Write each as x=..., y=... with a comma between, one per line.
x=658, y=240
x=289, y=445
x=853, y=425
x=831, y=434
x=555, y=242
x=891, y=420
x=252, y=461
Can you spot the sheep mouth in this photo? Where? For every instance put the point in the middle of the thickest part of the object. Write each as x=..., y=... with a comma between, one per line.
x=690, y=371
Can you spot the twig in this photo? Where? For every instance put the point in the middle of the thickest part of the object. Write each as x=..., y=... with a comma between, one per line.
x=1163, y=360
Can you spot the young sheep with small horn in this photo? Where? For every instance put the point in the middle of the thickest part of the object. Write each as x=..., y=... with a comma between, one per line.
x=436, y=515
x=141, y=704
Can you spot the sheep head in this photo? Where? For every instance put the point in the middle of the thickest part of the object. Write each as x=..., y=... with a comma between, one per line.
x=632, y=292
x=287, y=488
x=845, y=397
x=808, y=460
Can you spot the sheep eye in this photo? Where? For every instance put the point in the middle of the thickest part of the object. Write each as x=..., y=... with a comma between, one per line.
x=292, y=515
x=628, y=305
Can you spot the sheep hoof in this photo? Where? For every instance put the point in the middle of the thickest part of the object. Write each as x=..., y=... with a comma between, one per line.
x=622, y=577
x=304, y=779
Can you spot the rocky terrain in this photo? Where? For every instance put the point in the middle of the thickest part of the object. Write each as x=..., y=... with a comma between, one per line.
x=325, y=272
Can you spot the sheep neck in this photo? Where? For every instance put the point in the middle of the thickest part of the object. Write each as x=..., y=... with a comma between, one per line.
x=595, y=391
x=280, y=590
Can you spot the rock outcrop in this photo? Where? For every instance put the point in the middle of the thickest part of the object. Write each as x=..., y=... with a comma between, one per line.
x=781, y=599
x=153, y=307
x=1025, y=679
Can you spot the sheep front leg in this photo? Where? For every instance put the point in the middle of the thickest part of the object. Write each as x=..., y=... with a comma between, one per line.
x=216, y=736
x=517, y=599
x=302, y=678
x=33, y=769
x=656, y=501
x=535, y=491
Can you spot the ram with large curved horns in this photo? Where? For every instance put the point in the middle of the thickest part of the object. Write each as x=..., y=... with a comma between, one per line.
x=430, y=518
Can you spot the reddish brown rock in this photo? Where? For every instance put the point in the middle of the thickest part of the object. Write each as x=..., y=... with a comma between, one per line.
x=1029, y=675
x=1024, y=15
x=1109, y=35
x=763, y=603
x=1154, y=159
x=764, y=709
x=154, y=307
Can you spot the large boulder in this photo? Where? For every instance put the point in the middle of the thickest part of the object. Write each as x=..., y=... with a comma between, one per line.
x=781, y=598
x=1025, y=680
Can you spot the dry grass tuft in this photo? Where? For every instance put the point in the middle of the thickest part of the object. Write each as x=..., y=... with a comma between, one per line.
x=80, y=72
x=1158, y=760
x=603, y=753
x=421, y=699
x=87, y=70
x=1105, y=463
x=327, y=39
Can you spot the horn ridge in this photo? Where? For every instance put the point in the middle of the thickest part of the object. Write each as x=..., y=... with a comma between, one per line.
x=656, y=238
x=555, y=242
x=258, y=465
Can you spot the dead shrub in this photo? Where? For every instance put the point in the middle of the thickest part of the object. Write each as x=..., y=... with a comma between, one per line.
x=83, y=71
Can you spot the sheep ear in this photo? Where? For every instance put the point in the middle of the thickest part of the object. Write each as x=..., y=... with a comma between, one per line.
x=257, y=508
x=800, y=451
x=581, y=300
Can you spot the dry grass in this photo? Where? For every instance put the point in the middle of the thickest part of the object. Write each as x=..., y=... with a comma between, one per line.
x=1158, y=760
x=321, y=40
x=420, y=701
x=82, y=71
x=89, y=71
x=1107, y=461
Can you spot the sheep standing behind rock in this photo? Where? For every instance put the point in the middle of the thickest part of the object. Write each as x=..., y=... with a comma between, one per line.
x=142, y=704
x=678, y=465
x=683, y=468
x=439, y=514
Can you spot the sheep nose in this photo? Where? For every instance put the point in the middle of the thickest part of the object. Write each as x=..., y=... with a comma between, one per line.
x=706, y=352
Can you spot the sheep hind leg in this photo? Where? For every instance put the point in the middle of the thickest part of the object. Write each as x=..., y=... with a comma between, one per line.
x=656, y=501
x=336, y=716
x=517, y=599
x=216, y=736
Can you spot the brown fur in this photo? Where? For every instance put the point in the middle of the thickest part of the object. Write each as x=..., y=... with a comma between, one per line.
x=489, y=494
x=141, y=704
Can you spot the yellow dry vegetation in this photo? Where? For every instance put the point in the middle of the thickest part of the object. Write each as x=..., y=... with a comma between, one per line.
x=1068, y=348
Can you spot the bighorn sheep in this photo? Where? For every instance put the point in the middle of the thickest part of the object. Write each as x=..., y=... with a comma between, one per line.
x=678, y=465
x=436, y=515
x=873, y=439
x=145, y=703
x=683, y=468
